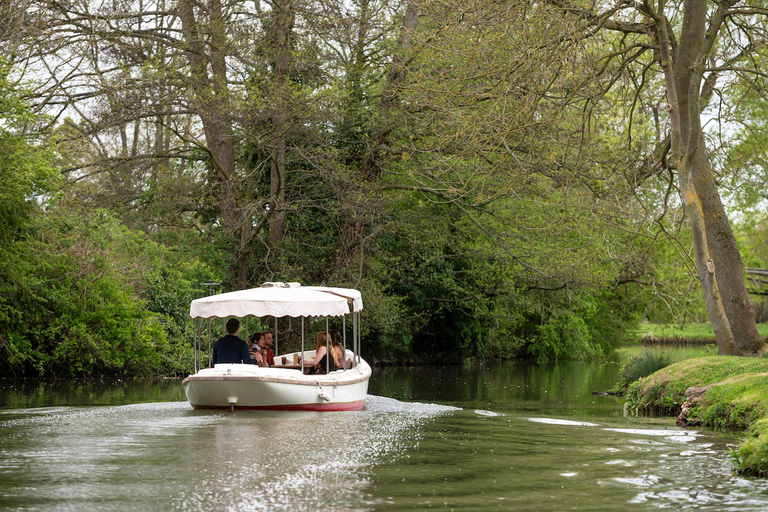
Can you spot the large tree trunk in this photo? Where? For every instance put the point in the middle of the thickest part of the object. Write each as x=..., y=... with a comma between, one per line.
x=208, y=84
x=285, y=15
x=371, y=166
x=726, y=266
x=717, y=257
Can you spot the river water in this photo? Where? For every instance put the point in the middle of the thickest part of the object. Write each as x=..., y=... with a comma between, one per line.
x=503, y=437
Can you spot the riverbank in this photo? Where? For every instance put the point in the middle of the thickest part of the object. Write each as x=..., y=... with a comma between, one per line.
x=690, y=333
x=718, y=392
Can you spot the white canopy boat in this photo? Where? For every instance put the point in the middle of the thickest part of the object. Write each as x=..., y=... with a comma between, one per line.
x=283, y=386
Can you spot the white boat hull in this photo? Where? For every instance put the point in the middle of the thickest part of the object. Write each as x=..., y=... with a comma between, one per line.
x=245, y=386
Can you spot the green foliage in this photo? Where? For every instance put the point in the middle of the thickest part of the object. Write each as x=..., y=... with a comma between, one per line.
x=656, y=398
x=745, y=159
x=641, y=366
x=446, y=298
x=97, y=299
x=25, y=159
x=752, y=455
x=563, y=336
x=499, y=223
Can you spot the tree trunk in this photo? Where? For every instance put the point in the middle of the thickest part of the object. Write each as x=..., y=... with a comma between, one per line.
x=717, y=257
x=727, y=266
x=284, y=20
x=212, y=103
x=371, y=167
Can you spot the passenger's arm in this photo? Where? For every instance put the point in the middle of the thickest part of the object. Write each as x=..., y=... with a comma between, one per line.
x=318, y=356
x=245, y=356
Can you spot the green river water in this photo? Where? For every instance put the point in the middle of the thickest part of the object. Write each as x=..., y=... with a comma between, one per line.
x=501, y=437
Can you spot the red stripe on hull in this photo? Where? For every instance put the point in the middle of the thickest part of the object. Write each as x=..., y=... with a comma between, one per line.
x=351, y=406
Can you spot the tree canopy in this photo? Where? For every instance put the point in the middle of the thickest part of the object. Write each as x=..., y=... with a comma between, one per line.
x=500, y=179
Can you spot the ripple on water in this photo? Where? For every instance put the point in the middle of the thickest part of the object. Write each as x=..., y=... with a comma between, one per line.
x=491, y=414
x=160, y=456
x=556, y=421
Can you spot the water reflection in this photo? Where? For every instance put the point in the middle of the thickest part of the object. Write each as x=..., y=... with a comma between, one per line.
x=557, y=388
x=162, y=456
x=67, y=392
x=505, y=437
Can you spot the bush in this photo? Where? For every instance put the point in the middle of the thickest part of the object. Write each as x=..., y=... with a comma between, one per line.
x=647, y=363
x=91, y=297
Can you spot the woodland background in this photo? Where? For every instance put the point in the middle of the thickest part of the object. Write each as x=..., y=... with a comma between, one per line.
x=493, y=176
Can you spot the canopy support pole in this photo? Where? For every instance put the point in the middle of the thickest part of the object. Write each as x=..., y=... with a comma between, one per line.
x=210, y=361
x=327, y=348
x=302, y=344
x=194, y=345
x=357, y=335
x=354, y=337
x=344, y=337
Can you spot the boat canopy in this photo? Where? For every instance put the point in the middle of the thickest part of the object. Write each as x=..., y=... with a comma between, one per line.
x=279, y=300
x=353, y=296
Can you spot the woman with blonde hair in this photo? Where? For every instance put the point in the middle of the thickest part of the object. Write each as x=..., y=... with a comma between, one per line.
x=318, y=364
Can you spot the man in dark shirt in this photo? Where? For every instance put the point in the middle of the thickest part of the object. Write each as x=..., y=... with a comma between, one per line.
x=230, y=348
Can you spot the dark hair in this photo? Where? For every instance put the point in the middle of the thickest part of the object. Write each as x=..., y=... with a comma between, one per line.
x=335, y=337
x=256, y=336
x=233, y=324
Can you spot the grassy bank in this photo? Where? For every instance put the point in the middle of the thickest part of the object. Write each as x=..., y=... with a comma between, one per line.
x=723, y=392
x=688, y=333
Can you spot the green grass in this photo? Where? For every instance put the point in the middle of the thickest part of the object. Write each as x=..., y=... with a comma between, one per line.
x=752, y=456
x=691, y=333
x=642, y=365
x=736, y=397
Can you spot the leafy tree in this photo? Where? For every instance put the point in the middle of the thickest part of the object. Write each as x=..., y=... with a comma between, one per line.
x=495, y=177
x=693, y=45
x=108, y=301
x=27, y=173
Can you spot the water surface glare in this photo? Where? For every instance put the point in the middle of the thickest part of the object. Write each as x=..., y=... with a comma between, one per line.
x=162, y=456
x=507, y=438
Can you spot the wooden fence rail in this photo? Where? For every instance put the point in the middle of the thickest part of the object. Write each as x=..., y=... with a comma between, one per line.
x=756, y=280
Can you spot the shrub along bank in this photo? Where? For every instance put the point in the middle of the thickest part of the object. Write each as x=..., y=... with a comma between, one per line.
x=719, y=392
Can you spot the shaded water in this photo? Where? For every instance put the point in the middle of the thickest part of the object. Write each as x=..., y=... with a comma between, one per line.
x=507, y=437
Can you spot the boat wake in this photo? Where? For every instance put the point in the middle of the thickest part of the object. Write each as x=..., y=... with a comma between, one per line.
x=381, y=404
x=172, y=457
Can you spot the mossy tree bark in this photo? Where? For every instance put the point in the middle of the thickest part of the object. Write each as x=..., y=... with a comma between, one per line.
x=717, y=256
x=685, y=54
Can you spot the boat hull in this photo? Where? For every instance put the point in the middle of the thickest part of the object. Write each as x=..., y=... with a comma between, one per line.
x=240, y=386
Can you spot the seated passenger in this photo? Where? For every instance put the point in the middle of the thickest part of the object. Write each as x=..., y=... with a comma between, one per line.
x=338, y=349
x=261, y=346
x=318, y=364
x=268, y=344
x=256, y=340
x=231, y=348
